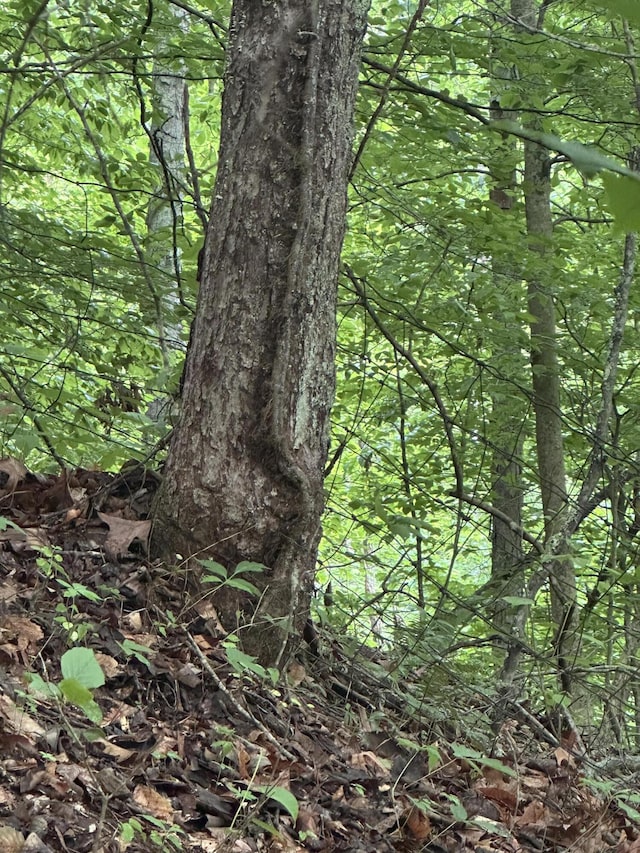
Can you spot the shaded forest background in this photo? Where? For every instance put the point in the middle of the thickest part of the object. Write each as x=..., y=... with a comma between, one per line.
x=483, y=491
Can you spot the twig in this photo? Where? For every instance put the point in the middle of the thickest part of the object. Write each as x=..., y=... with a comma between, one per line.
x=501, y=516
x=246, y=715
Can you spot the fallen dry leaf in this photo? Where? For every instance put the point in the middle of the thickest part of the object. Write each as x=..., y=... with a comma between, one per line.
x=12, y=472
x=154, y=802
x=534, y=814
x=370, y=761
x=109, y=665
x=123, y=533
x=19, y=721
x=416, y=824
x=8, y=591
x=11, y=841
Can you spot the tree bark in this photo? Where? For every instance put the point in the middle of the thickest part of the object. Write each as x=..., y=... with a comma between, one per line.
x=165, y=214
x=507, y=424
x=545, y=381
x=548, y=413
x=244, y=476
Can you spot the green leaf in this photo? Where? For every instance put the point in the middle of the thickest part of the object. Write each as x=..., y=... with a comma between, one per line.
x=79, y=695
x=39, y=685
x=216, y=569
x=248, y=566
x=517, y=601
x=266, y=827
x=627, y=9
x=73, y=590
x=630, y=812
x=240, y=583
x=458, y=811
x=241, y=661
x=280, y=795
x=81, y=664
x=623, y=198
x=75, y=692
x=136, y=650
x=473, y=755
x=434, y=757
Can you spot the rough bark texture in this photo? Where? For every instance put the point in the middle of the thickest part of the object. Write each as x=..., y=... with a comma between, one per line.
x=508, y=416
x=548, y=414
x=546, y=382
x=244, y=477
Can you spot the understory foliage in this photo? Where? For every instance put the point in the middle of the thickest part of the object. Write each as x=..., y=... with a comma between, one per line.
x=434, y=375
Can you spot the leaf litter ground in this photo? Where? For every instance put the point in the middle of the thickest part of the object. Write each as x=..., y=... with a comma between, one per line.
x=184, y=751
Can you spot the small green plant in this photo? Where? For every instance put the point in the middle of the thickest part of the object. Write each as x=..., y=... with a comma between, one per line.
x=627, y=800
x=224, y=744
x=477, y=760
x=164, y=836
x=243, y=663
x=137, y=651
x=219, y=575
x=71, y=620
x=260, y=793
x=170, y=620
x=81, y=674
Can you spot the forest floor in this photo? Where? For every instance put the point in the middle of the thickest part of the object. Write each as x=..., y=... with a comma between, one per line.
x=188, y=745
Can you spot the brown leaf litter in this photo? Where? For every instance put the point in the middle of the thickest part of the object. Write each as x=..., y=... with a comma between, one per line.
x=192, y=754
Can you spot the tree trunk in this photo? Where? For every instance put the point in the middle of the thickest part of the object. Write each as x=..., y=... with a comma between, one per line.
x=244, y=476
x=547, y=409
x=508, y=415
x=165, y=215
x=546, y=387
x=545, y=372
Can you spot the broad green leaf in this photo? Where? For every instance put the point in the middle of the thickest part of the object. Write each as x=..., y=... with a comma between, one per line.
x=240, y=583
x=631, y=813
x=241, y=661
x=136, y=650
x=623, y=198
x=458, y=810
x=282, y=796
x=39, y=685
x=74, y=590
x=76, y=693
x=81, y=664
x=461, y=751
x=627, y=9
x=217, y=570
x=249, y=566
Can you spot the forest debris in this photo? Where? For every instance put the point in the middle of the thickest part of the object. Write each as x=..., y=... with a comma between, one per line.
x=196, y=745
x=12, y=472
x=11, y=841
x=122, y=534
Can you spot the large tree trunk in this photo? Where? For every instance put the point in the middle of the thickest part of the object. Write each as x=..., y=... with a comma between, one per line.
x=244, y=477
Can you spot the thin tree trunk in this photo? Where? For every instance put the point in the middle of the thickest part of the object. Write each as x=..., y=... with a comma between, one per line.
x=506, y=427
x=165, y=213
x=546, y=384
x=547, y=409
